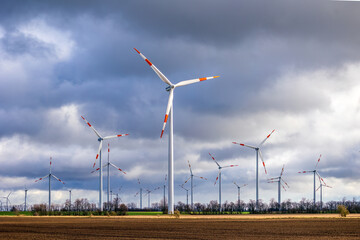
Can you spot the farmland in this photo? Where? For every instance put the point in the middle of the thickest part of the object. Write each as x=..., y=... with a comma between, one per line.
x=185, y=227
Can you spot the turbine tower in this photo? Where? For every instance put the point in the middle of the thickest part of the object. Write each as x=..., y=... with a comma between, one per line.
x=192, y=186
x=320, y=187
x=315, y=172
x=164, y=192
x=148, y=192
x=187, y=195
x=219, y=177
x=50, y=175
x=169, y=114
x=140, y=192
x=278, y=180
x=257, y=153
x=108, y=165
x=26, y=190
x=238, y=187
x=98, y=155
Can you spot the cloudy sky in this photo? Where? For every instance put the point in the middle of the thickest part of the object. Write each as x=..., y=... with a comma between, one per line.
x=292, y=66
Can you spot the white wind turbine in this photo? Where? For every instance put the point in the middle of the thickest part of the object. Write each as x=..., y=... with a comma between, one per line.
x=320, y=187
x=258, y=152
x=320, y=178
x=49, y=176
x=148, y=192
x=278, y=180
x=170, y=111
x=192, y=186
x=98, y=155
x=108, y=164
x=7, y=201
x=239, y=187
x=219, y=177
x=140, y=193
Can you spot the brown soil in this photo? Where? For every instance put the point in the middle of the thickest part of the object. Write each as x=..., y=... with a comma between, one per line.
x=182, y=228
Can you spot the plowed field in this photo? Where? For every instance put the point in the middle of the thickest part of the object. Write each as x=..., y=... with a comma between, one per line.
x=182, y=228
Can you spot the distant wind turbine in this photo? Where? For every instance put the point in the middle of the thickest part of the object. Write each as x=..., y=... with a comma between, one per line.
x=219, y=177
x=169, y=114
x=279, y=180
x=315, y=173
x=238, y=187
x=140, y=193
x=192, y=186
x=50, y=175
x=320, y=187
x=108, y=165
x=258, y=152
x=98, y=155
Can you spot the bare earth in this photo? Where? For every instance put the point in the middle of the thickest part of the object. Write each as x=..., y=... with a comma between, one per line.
x=186, y=227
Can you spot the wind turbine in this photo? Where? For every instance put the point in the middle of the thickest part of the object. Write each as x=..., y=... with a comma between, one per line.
x=7, y=201
x=98, y=155
x=26, y=190
x=164, y=191
x=187, y=195
x=70, y=199
x=219, y=177
x=278, y=180
x=148, y=192
x=49, y=176
x=315, y=173
x=192, y=186
x=170, y=111
x=140, y=192
x=238, y=187
x=257, y=153
x=320, y=187
x=108, y=164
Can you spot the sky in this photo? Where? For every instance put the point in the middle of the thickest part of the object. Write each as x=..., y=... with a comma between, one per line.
x=292, y=66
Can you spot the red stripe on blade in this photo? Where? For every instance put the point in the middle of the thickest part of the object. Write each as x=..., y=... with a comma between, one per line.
x=137, y=51
x=146, y=60
x=202, y=79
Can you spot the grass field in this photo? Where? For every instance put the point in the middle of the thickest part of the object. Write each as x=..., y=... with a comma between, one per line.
x=189, y=227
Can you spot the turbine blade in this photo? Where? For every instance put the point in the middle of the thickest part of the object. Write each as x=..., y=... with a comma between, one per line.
x=190, y=167
x=266, y=138
x=217, y=177
x=42, y=178
x=95, y=170
x=320, y=178
x=327, y=186
x=139, y=181
x=96, y=132
x=244, y=145
x=236, y=184
x=317, y=162
x=98, y=154
x=200, y=177
x=318, y=188
x=244, y=185
x=117, y=168
x=187, y=82
x=115, y=136
x=283, y=187
x=157, y=71
x=282, y=170
x=261, y=157
x=187, y=180
x=273, y=178
x=136, y=194
x=305, y=171
x=285, y=183
x=214, y=159
x=168, y=108
x=230, y=166
x=57, y=179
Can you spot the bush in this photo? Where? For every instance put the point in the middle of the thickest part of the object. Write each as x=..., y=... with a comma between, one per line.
x=177, y=214
x=342, y=210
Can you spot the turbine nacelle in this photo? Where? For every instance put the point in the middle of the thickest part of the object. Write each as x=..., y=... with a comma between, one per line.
x=168, y=88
